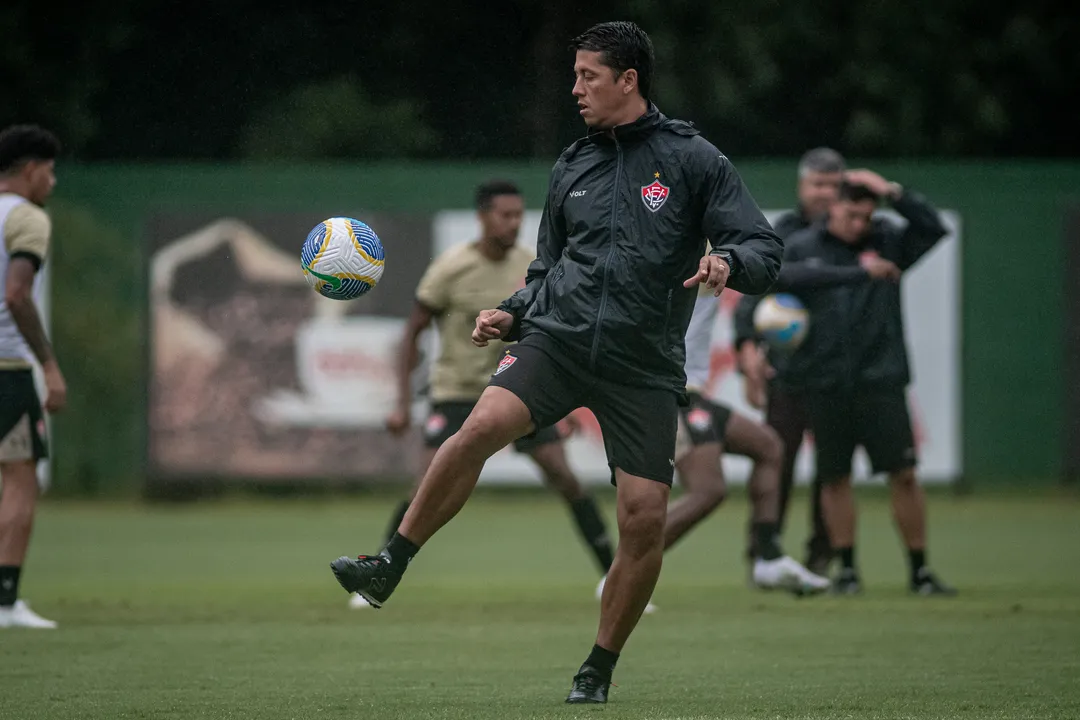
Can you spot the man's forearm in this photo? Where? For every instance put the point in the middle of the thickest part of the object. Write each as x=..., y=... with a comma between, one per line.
x=29, y=324
x=407, y=358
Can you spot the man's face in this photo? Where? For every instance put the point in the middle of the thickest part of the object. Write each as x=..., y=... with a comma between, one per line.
x=849, y=220
x=817, y=191
x=600, y=95
x=502, y=220
x=41, y=177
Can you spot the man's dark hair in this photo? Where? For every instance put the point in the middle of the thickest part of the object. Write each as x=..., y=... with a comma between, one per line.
x=22, y=143
x=821, y=160
x=857, y=193
x=622, y=45
x=491, y=190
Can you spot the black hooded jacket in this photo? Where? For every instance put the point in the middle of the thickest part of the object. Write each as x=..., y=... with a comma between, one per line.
x=626, y=220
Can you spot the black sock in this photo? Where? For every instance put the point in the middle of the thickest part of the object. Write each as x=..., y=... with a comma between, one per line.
x=593, y=530
x=401, y=550
x=847, y=558
x=9, y=584
x=917, y=558
x=765, y=541
x=602, y=660
x=395, y=520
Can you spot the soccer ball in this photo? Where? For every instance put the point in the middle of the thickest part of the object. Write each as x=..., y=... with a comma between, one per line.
x=782, y=321
x=342, y=258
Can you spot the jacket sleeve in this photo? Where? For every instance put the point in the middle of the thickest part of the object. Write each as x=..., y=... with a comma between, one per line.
x=550, y=241
x=734, y=223
x=803, y=271
x=924, y=228
x=814, y=273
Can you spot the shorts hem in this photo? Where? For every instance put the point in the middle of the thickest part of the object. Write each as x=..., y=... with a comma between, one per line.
x=831, y=478
x=532, y=413
x=646, y=476
x=904, y=465
x=527, y=443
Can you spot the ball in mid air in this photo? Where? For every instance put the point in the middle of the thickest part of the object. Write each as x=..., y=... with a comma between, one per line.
x=782, y=321
x=342, y=258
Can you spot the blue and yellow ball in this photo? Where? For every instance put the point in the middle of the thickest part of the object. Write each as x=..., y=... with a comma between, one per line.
x=782, y=321
x=342, y=258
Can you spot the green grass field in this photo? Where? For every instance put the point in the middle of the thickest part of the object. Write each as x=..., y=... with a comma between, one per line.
x=228, y=610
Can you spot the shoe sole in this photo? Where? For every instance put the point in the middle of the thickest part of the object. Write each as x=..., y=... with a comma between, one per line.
x=342, y=568
x=809, y=590
x=933, y=593
x=792, y=585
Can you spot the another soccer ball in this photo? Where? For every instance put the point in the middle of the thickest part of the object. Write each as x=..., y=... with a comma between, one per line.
x=782, y=321
x=342, y=258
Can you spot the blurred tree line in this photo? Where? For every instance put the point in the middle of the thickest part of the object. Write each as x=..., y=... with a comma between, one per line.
x=236, y=79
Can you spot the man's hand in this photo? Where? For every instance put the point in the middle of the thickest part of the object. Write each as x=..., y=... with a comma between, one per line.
x=874, y=182
x=879, y=268
x=712, y=271
x=55, y=387
x=491, y=325
x=399, y=420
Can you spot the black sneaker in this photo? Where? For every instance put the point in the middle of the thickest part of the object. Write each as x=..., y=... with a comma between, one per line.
x=818, y=561
x=847, y=583
x=926, y=583
x=370, y=576
x=589, y=687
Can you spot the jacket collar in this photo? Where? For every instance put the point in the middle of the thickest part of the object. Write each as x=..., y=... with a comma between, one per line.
x=863, y=244
x=631, y=132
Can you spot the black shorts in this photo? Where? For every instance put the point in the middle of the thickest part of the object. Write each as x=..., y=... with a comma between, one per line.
x=639, y=424
x=446, y=418
x=22, y=421
x=878, y=420
x=705, y=421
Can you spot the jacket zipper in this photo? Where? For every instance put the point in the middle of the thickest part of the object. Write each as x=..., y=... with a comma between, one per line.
x=607, y=261
x=667, y=318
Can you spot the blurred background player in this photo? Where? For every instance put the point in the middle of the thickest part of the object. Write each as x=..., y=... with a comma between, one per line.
x=460, y=283
x=27, y=159
x=853, y=364
x=707, y=429
x=820, y=173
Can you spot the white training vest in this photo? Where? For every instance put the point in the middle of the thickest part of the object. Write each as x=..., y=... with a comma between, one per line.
x=699, y=340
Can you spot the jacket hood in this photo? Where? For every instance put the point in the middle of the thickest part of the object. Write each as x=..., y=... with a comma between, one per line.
x=630, y=132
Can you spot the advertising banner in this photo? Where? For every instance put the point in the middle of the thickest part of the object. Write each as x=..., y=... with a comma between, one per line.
x=253, y=375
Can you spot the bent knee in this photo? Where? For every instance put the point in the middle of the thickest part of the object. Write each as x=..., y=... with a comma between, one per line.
x=713, y=497
x=642, y=519
x=708, y=498
x=903, y=478
x=834, y=483
x=488, y=426
x=772, y=449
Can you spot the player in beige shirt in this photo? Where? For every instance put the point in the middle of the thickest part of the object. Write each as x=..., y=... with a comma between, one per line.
x=455, y=288
x=27, y=157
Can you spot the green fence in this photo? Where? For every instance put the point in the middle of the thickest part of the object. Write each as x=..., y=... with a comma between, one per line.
x=1013, y=287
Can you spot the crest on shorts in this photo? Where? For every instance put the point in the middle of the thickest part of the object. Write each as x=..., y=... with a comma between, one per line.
x=655, y=194
x=505, y=363
x=435, y=424
x=699, y=419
